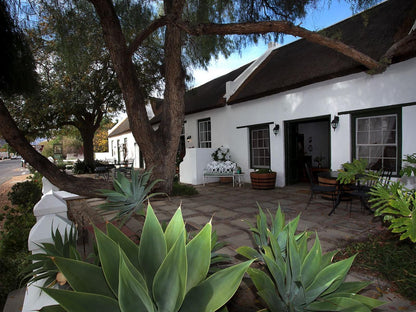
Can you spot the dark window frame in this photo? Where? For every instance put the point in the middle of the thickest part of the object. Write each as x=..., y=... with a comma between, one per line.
x=378, y=112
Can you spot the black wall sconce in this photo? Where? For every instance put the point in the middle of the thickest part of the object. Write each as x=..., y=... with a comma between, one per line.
x=335, y=122
x=276, y=129
x=188, y=139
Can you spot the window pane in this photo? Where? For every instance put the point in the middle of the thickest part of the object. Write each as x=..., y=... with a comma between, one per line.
x=375, y=137
x=362, y=137
x=376, y=141
x=362, y=124
x=375, y=124
x=363, y=151
x=390, y=151
x=389, y=137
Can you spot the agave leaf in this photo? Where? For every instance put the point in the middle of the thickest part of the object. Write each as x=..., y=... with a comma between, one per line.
x=278, y=272
x=175, y=228
x=73, y=301
x=352, y=287
x=215, y=291
x=249, y=253
x=327, y=259
x=342, y=274
x=52, y=308
x=169, y=284
x=294, y=257
x=267, y=290
x=152, y=250
x=198, y=257
x=125, y=243
x=262, y=227
x=278, y=222
x=83, y=276
x=133, y=270
x=132, y=294
x=332, y=274
x=108, y=252
x=338, y=304
x=367, y=301
x=311, y=263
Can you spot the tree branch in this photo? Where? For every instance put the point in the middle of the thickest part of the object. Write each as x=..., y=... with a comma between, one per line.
x=286, y=28
x=80, y=186
x=160, y=22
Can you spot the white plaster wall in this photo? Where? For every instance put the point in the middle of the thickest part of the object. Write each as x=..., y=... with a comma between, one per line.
x=193, y=165
x=352, y=92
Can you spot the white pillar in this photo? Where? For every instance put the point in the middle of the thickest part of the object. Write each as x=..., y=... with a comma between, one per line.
x=50, y=204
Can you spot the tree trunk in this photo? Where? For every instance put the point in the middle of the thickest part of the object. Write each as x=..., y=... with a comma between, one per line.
x=81, y=186
x=159, y=147
x=87, y=135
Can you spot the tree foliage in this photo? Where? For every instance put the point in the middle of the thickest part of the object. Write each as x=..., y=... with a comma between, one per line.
x=101, y=136
x=154, y=45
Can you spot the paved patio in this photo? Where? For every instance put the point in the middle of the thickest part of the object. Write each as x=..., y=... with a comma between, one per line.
x=230, y=207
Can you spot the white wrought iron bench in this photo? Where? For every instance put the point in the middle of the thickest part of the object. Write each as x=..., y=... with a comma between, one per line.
x=220, y=170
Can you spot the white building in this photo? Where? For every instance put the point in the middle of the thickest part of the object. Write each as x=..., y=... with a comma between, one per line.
x=299, y=89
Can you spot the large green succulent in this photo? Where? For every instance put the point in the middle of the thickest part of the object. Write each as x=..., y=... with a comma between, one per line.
x=162, y=273
x=128, y=196
x=297, y=279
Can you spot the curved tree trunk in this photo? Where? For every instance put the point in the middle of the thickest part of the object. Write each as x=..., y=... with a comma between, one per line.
x=80, y=186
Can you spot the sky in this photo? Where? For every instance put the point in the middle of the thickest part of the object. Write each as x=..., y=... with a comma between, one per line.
x=317, y=19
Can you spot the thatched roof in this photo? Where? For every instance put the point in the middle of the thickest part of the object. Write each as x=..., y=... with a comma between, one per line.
x=302, y=62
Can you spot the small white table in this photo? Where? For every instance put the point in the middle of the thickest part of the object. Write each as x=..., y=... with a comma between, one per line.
x=239, y=179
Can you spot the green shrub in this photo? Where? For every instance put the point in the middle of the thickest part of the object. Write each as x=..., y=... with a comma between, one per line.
x=296, y=278
x=25, y=194
x=163, y=273
x=10, y=268
x=18, y=220
x=263, y=170
x=81, y=167
x=179, y=189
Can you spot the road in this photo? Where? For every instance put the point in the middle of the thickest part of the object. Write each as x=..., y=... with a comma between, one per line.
x=10, y=168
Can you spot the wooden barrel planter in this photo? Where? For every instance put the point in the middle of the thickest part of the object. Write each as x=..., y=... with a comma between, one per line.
x=263, y=181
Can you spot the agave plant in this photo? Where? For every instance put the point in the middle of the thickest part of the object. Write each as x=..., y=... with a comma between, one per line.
x=128, y=197
x=162, y=273
x=297, y=279
x=43, y=268
x=263, y=230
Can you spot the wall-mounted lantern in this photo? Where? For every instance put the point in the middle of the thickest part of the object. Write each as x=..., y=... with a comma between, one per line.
x=335, y=122
x=276, y=129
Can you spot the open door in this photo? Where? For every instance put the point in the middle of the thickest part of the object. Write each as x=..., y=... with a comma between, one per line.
x=306, y=141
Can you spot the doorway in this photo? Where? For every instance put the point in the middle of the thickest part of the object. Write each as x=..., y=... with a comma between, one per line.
x=306, y=141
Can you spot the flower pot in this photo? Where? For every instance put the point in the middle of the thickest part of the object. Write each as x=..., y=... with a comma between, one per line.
x=263, y=181
x=226, y=179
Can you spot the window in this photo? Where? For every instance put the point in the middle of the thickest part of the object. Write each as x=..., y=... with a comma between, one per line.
x=204, y=132
x=377, y=141
x=260, y=147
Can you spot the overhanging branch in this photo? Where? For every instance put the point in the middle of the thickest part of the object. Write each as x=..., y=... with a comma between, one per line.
x=160, y=22
x=285, y=28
